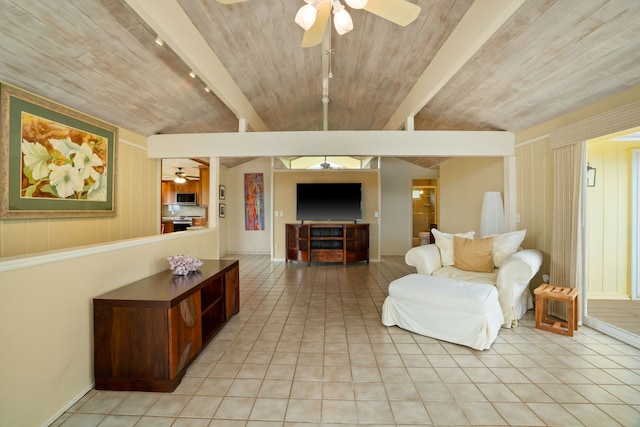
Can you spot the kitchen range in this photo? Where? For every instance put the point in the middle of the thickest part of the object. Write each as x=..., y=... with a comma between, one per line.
x=178, y=217
x=182, y=223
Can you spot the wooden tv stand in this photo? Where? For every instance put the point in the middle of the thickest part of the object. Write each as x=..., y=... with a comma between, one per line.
x=328, y=242
x=148, y=332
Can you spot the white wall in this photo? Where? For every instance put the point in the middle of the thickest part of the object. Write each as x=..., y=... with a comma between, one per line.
x=46, y=317
x=463, y=182
x=285, y=201
x=396, y=213
x=462, y=189
x=239, y=240
x=214, y=215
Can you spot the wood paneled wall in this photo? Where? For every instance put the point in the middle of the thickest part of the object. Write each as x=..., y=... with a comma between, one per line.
x=138, y=204
x=534, y=201
x=608, y=219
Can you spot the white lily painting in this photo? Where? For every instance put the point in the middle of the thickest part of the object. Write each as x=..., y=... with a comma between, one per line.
x=61, y=162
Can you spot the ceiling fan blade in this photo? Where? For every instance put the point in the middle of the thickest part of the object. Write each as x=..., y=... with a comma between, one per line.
x=399, y=12
x=314, y=35
x=230, y=1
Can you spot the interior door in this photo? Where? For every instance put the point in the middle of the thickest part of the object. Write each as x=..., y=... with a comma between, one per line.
x=424, y=196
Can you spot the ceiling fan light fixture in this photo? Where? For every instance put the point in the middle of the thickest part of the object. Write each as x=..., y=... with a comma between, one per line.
x=325, y=164
x=181, y=177
x=341, y=19
x=306, y=15
x=356, y=4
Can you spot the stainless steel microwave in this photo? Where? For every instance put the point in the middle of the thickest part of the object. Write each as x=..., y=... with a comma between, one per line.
x=186, y=198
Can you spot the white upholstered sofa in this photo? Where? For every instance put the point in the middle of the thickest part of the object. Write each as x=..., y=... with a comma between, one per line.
x=465, y=289
x=511, y=272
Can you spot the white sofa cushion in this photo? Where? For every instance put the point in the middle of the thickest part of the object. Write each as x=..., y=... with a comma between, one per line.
x=506, y=244
x=467, y=276
x=459, y=312
x=432, y=292
x=444, y=242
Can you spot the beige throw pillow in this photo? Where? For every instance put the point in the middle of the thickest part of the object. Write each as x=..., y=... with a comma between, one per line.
x=473, y=255
x=444, y=242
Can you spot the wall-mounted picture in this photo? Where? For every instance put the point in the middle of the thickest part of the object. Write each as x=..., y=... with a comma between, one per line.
x=54, y=162
x=222, y=192
x=254, y=201
x=222, y=210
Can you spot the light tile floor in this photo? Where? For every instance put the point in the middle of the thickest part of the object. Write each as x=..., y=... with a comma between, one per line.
x=308, y=348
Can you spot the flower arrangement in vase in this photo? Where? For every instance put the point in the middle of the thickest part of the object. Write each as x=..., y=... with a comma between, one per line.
x=182, y=265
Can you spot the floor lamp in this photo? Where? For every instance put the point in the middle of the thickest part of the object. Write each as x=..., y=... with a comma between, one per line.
x=492, y=216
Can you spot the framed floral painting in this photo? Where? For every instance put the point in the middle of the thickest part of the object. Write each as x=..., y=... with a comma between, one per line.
x=54, y=162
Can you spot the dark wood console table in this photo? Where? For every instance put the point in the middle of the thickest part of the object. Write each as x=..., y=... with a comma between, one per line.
x=148, y=332
x=328, y=242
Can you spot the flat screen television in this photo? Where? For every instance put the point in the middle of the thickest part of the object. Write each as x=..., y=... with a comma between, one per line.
x=329, y=201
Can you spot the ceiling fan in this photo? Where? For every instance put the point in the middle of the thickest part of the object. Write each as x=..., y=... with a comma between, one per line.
x=314, y=15
x=181, y=177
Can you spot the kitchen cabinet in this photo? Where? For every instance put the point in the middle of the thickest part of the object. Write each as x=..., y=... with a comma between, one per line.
x=168, y=193
x=203, y=194
x=167, y=226
x=188, y=187
x=170, y=188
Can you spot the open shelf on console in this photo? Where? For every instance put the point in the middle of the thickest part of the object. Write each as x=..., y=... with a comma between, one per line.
x=327, y=242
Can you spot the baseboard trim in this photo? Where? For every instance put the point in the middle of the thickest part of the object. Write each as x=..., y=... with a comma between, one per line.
x=66, y=407
x=612, y=331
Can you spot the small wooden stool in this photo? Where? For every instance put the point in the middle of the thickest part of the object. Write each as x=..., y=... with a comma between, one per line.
x=556, y=293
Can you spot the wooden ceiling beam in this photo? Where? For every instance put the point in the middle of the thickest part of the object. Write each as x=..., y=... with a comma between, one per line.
x=334, y=143
x=477, y=26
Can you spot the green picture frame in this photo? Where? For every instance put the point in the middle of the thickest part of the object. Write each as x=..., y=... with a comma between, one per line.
x=55, y=162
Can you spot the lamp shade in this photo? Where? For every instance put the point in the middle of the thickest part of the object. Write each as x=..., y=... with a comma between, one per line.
x=492, y=215
x=341, y=19
x=356, y=4
x=306, y=16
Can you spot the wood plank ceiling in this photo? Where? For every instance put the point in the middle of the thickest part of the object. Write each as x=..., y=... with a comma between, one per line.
x=98, y=56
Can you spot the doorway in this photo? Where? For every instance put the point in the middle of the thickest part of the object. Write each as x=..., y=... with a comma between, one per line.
x=611, y=258
x=425, y=198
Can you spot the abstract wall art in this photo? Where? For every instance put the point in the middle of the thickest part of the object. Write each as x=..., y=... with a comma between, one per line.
x=254, y=201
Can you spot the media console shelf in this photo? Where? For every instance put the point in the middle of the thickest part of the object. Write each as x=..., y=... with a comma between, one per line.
x=328, y=242
x=148, y=332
